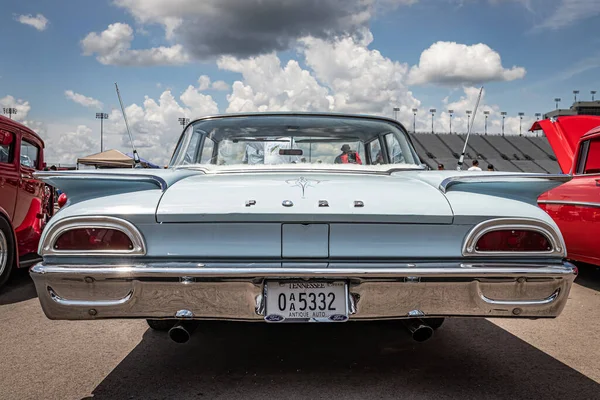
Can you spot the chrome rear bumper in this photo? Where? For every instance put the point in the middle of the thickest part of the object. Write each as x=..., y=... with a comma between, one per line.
x=236, y=292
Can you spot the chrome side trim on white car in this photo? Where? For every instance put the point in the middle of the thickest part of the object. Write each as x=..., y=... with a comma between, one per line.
x=558, y=248
x=47, y=247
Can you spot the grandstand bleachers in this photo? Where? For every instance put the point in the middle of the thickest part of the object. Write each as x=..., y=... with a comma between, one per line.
x=436, y=146
x=506, y=153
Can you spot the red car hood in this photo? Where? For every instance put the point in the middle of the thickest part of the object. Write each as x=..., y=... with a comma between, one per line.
x=564, y=133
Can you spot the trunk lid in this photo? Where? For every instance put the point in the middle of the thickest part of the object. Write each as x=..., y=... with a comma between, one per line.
x=303, y=197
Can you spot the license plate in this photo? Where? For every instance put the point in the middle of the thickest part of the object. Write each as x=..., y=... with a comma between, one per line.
x=306, y=301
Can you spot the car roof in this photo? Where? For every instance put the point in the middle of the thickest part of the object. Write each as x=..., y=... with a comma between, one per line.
x=15, y=124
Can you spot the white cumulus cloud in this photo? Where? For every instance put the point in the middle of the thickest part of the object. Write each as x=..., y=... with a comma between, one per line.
x=39, y=22
x=22, y=106
x=450, y=63
x=85, y=101
x=113, y=47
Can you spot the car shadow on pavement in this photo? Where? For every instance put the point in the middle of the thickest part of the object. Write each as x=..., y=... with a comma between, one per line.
x=588, y=276
x=466, y=358
x=19, y=288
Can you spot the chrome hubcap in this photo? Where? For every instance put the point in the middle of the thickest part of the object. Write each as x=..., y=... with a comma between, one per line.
x=3, y=252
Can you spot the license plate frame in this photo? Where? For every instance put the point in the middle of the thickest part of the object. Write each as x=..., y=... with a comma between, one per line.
x=274, y=288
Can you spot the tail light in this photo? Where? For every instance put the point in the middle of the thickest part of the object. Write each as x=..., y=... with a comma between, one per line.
x=93, y=239
x=510, y=237
x=92, y=235
x=514, y=240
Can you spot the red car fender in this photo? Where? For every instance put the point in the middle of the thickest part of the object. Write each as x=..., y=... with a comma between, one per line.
x=4, y=214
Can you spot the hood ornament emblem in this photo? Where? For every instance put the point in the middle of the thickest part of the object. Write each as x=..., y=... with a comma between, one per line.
x=303, y=183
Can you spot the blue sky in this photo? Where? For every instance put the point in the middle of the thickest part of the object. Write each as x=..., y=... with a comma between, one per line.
x=544, y=38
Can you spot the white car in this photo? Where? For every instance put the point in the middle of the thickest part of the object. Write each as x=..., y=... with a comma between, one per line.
x=314, y=233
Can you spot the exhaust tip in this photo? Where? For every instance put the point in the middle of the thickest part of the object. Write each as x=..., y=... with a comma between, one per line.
x=423, y=333
x=179, y=334
x=419, y=330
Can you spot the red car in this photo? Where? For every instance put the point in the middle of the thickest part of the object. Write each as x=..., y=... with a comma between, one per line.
x=25, y=203
x=575, y=205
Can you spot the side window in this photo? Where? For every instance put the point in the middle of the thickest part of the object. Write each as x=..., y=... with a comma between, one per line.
x=592, y=163
x=207, y=151
x=192, y=148
x=29, y=154
x=395, y=153
x=375, y=152
x=7, y=140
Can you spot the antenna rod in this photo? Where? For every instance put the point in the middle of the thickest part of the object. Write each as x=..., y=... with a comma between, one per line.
x=136, y=157
x=462, y=156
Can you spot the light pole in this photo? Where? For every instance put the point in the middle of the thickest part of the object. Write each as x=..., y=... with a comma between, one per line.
x=432, y=111
x=593, y=92
x=183, y=121
x=396, y=109
x=486, y=113
x=451, y=112
x=414, y=110
x=10, y=111
x=557, y=100
x=469, y=112
x=575, y=93
x=520, y=122
x=537, y=116
x=101, y=117
x=503, y=113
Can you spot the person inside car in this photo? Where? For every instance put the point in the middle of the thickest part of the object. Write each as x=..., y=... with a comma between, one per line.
x=348, y=156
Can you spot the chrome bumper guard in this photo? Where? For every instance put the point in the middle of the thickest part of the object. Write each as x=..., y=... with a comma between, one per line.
x=236, y=292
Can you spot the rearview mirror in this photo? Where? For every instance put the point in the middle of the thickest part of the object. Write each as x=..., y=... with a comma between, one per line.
x=290, y=152
x=6, y=138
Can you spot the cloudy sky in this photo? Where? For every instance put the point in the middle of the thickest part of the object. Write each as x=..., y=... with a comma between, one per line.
x=176, y=58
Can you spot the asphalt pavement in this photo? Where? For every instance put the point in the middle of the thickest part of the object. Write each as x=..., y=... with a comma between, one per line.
x=466, y=358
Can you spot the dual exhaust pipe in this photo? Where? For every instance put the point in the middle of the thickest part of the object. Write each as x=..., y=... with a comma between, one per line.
x=419, y=330
x=182, y=331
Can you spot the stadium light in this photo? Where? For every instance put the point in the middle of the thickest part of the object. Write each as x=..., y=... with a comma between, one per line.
x=183, y=121
x=10, y=111
x=520, y=122
x=575, y=93
x=593, y=92
x=503, y=113
x=396, y=109
x=557, y=100
x=101, y=117
x=469, y=112
x=432, y=111
x=414, y=110
x=451, y=112
x=486, y=113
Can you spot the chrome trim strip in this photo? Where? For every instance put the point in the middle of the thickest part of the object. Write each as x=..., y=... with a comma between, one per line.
x=54, y=232
x=570, y=203
x=490, y=178
x=174, y=270
x=111, y=176
x=513, y=303
x=89, y=303
x=556, y=240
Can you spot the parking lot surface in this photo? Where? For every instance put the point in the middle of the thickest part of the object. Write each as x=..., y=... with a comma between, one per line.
x=466, y=358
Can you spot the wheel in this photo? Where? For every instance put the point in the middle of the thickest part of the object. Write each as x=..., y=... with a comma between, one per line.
x=7, y=252
x=161, y=324
x=434, y=323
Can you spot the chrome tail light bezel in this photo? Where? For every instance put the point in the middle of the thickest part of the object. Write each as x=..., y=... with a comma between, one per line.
x=46, y=247
x=558, y=248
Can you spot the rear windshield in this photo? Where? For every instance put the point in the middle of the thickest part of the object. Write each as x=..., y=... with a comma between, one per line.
x=271, y=140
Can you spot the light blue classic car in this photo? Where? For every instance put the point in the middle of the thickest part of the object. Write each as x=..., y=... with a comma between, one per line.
x=290, y=217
